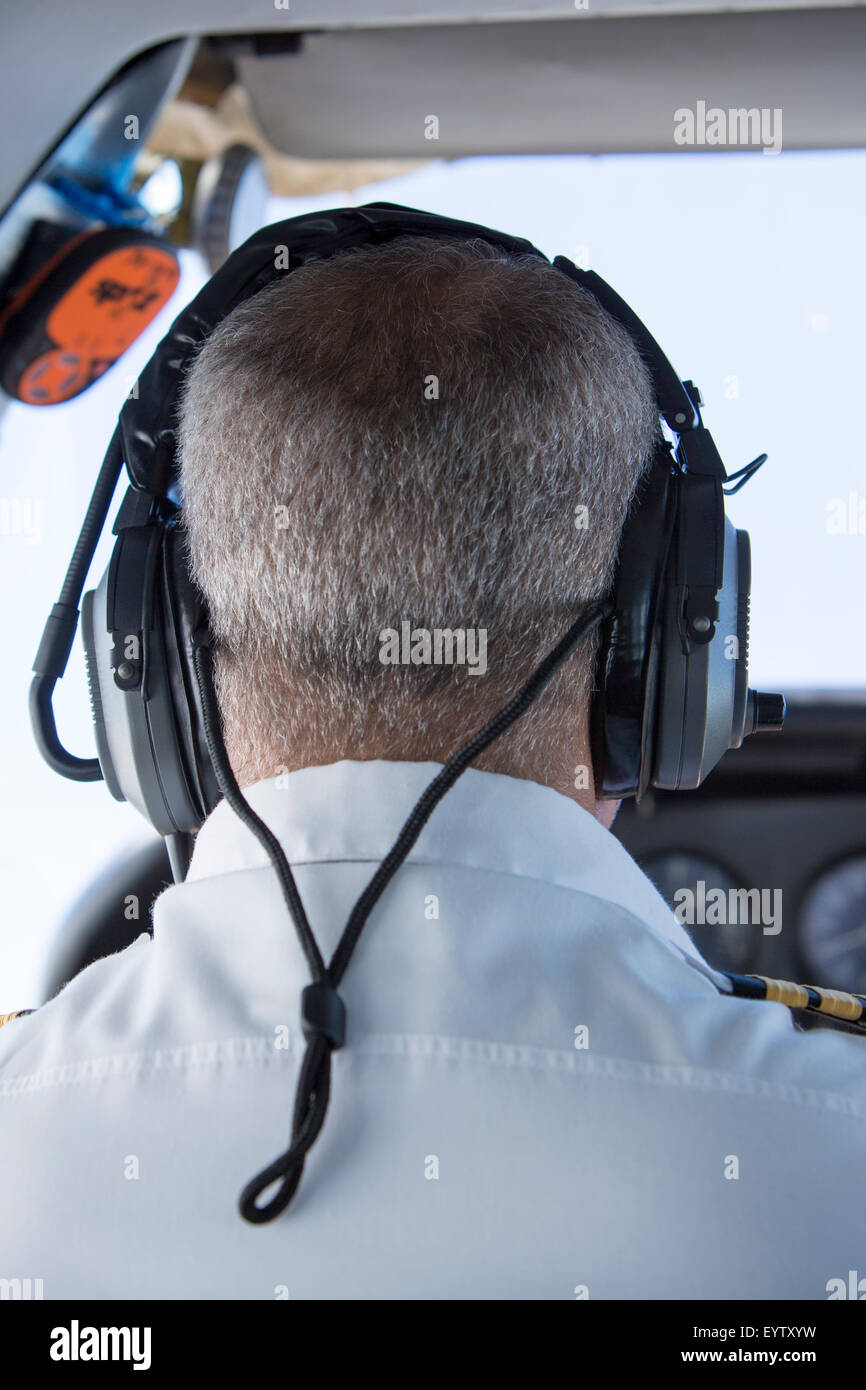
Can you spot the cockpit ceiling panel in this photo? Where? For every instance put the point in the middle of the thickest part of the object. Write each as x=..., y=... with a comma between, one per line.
x=510, y=75
x=599, y=86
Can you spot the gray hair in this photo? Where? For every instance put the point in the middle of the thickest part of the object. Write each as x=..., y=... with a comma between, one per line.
x=405, y=432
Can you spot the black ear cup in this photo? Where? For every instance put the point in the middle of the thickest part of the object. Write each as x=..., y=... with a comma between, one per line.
x=623, y=712
x=744, y=593
x=697, y=682
x=668, y=704
x=184, y=618
x=137, y=627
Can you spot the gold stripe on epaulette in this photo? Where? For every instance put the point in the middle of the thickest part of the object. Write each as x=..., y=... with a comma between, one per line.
x=785, y=992
x=7, y=1018
x=847, y=1009
x=837, y=1003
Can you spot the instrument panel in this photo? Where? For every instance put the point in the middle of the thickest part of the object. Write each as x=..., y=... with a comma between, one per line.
x=765, y=865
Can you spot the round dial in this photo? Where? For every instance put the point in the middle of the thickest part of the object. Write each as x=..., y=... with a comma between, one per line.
x=699, y=891
x=833, y=927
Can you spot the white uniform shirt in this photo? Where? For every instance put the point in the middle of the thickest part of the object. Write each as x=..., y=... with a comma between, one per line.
x=471, y=1150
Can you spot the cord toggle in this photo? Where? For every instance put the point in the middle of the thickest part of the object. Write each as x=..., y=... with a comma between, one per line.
x=323, y=1014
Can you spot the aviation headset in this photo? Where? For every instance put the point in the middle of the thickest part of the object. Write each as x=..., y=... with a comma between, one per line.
x=671, y=694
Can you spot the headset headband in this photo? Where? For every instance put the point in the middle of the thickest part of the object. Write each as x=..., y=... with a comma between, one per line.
x=147, y=422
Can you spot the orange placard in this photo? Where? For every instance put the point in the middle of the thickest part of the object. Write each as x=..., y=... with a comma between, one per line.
x=96, y=319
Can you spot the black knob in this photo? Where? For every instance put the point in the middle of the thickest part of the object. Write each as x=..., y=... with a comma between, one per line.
x=765, y=712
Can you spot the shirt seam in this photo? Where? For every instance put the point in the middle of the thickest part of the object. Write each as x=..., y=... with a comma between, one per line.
x=258, y=1050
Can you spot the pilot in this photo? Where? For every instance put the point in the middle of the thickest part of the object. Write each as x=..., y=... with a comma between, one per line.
x=404, y=469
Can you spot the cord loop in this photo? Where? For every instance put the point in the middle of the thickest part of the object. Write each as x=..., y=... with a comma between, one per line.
x=311, y=1105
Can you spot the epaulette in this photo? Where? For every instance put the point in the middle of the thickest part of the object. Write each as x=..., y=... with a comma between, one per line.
x=845, y=1010
x=7, y=1018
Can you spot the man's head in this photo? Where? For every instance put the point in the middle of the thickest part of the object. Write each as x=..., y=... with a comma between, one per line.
x=429, y=432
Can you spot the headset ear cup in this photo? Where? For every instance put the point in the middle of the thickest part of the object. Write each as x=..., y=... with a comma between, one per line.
x=184, y=616
x=652, y=681
x=624, y=707
x=99, y=674
x=147, y=719
x=698, y=681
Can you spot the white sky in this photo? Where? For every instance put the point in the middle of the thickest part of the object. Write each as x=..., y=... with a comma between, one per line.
x=741, y=265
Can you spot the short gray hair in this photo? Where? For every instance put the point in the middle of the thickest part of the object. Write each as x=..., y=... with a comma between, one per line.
x=405, y=432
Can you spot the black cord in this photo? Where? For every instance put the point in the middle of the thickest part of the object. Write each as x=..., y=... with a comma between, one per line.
x=744, y=474
x=202, y=658
x=93, y=524
x=58, y=635
x=323, y=1014
x=429, y=800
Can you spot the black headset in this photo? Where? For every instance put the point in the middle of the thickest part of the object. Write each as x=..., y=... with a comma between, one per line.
x=671, y=689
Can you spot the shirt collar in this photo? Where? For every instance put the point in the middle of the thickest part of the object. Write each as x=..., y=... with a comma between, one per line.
x=354, y=811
